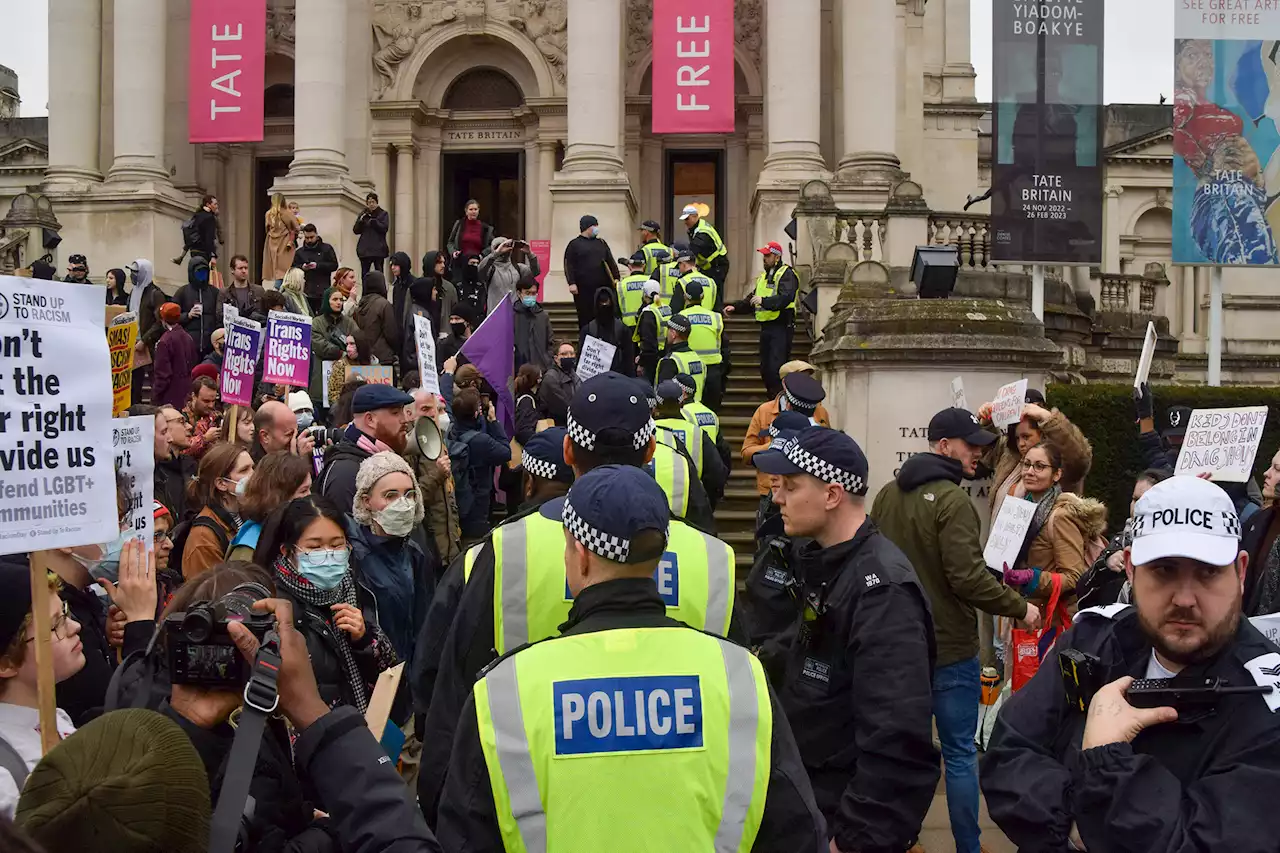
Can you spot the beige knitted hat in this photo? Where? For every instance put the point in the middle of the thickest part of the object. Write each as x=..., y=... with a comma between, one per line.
x=371, y=471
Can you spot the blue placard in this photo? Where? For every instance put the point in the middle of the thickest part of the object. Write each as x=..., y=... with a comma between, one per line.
x=627, y=714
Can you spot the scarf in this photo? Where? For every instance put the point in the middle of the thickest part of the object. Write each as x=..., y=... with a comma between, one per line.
x=345, y=592
x=370, y=445
x=1044, y=509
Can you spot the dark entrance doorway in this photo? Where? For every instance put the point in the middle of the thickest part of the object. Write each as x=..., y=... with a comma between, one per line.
x=493, y=178
x=693, y=177
x=268, y=169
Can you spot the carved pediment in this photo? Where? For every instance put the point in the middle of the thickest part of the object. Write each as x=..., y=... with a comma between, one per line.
x=24, y=152
x=748, y=19
x=1157, y=144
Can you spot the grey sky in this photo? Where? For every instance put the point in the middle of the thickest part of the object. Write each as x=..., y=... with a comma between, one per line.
x=1139, y=52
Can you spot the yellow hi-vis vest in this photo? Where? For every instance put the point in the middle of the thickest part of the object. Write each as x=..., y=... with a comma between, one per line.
x=631, y=298
x=704, y=264
x=706, y=333
x=628, y=739
x=661, y=313
x=689, y=433
x=531, y=599
x=689, y=362
x=668, y=277
x=673, y=474
x=651, y=251
x=706, y=420
x=708, y=285
x=766, y=286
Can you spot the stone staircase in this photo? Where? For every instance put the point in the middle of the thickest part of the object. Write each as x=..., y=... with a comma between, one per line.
x=735, y=517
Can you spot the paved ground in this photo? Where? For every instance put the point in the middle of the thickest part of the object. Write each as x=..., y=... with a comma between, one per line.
x=936, y=835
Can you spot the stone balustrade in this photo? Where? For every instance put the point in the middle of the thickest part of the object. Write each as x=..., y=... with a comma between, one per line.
x=970, y=233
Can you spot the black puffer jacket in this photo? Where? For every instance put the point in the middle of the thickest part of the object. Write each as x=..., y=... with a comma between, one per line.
x=372, y=226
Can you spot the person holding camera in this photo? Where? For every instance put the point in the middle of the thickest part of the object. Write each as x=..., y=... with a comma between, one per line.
x=372, y=225
x=305, y=546
x=1124, y=765
x=508, y=262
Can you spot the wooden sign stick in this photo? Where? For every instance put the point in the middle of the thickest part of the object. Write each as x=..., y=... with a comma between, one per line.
x=44, y=650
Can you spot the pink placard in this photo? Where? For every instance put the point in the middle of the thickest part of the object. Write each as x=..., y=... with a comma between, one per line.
x=541, y=249
x=226, y=71
x=693, y=67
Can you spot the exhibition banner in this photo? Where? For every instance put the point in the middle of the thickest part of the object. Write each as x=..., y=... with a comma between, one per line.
x=1226, y=132
x=226, y=70
x=693, y=66
x=1047, y=131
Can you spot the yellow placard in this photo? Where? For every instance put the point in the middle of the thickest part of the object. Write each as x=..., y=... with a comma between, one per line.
x=121, y=339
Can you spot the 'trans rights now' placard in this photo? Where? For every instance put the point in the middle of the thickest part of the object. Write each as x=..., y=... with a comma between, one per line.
x=240, y=359
x=57, y=486
x=288, y=350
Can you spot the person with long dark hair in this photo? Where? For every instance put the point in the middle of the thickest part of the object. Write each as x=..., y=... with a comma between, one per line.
x=277, y=479
x=115, y=288
x=304, y=544
x=215, y=494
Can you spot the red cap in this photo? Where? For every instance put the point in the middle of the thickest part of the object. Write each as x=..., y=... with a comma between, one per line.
x=205, y=370
x=772, y=249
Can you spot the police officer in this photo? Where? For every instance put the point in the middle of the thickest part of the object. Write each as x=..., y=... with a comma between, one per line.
x=631, y=289
x=651, y=246
x=774, y=304
x=709, y=251
x=672, y=744
x=705, y=419
x=675, y=431
x=650, y=335
x=668, y=272
x=689, y=272
x=680, y=357
x=676, y=472
x=857, y=680
x=1129, y=774
x=707, y=340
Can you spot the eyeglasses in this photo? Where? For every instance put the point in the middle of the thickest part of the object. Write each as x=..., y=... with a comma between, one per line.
x=1038, y=467
x=59, y=624
x=164, y=537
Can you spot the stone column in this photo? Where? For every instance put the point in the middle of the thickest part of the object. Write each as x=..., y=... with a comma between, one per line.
x=594, y=86
x=75, y=84
x=421, y=243
x=793, y=102
x=430, y=153
x=532, y=186
x=869, y=75
x=357, y=120
x=1111, y=228
x=139, y=36
x=546, y=174
x=381, y=174
x=402, y=219
x=320, y=89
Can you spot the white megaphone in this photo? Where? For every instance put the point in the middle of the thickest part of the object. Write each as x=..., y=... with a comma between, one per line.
x=425, y=439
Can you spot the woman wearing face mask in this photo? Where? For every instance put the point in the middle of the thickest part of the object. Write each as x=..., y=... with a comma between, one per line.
x=277, y=479
x=1064, y=532
x=385, y=556
x=215, y=494
x=559, y=384
x=305, y=545
x=330, y=332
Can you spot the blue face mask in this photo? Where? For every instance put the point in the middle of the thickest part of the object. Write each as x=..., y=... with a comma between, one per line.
x=325, y=568
x=108, y=566
x=305, y=419
x=529, y=301
x=595, y=230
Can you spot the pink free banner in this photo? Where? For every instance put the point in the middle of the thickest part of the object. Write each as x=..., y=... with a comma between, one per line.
x=226, y=70
x=693, y=66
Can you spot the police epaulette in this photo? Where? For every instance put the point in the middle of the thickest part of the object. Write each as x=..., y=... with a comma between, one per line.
x=1108, y=611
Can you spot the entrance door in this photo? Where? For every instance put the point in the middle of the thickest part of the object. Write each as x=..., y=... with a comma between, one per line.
x=493, y=178
x=268, y=170
x=693, y=177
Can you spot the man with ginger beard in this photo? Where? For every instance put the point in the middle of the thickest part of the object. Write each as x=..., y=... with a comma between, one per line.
x=379, y=422
x=1133, y=773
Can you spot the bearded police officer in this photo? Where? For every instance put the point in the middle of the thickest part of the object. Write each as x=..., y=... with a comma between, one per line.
x=774, y=304
x=630, y=730
x=651, y=246
x=709, y=252
x=631, y=290
x=1082, y=758
x=856, y=683
x=708, y=342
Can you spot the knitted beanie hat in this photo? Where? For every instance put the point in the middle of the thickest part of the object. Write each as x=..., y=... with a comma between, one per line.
x=128, y=782
x=371, y=471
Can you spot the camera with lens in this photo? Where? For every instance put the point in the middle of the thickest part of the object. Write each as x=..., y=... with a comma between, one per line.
x=322, y=435
x=200, y=650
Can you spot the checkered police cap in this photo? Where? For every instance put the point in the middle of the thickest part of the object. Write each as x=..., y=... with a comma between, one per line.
x=586, y=439
x=612, y=548
x=610, y=402
x=609, y=508
x=824, y=470
x=824, y=453
x=538, y=467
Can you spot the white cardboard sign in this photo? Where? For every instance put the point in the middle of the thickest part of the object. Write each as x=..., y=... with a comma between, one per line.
x=597, y=357
x=133, y=443
x=1222, y=442
x=230, y=314
x=428, y=373
x=958, y=400
x=1148, y=352
x=1007, y=533
x=57, y=485
x=1006, y=409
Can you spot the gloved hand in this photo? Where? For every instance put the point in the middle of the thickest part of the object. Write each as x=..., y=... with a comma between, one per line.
x=1143, y=402
x=1022, y=577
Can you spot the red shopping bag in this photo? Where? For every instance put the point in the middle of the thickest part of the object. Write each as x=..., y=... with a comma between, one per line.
x=1030, y=647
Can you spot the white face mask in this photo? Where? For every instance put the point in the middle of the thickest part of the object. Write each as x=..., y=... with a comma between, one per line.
x=444, y=422
x=397, y=518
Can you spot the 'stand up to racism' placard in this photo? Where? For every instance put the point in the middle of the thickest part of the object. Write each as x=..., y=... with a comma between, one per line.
x=288, y=350
x=133, y=443
x=57, y=486
x=1222, y=442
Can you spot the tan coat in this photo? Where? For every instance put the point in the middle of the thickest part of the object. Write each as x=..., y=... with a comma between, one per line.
x=1059, y=548
x=752, y=443
x=277, y=251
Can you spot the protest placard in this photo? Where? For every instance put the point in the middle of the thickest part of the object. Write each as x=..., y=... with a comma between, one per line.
x=122, y=337
x=1007, y=407
x=230, y=314
x=133, y=446
x=326, y=370
x=1222, y=442
x=376, y=374
x=1148, y=353
x=958, y=400
x=240, y=359
x=541, y=249
x=597, y=357
x=1269, y=625
x=1007, y=533
x=288, y=350
x=428, y=374
x=57, y=486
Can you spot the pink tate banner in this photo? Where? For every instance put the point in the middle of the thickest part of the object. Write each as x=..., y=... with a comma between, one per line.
x=226, y=75
x=693, y=66
x=541, y=249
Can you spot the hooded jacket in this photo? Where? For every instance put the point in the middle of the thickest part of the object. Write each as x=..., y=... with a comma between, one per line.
x=377, y=327
x=609, y=328
x=372, y=227
x=443, y=296
x=930, y=517
x=147, y=306
x=201, y=292
x=400, y=284
x=1077, y=457
x=501, y=275
x=533, y=335
x=175, y=356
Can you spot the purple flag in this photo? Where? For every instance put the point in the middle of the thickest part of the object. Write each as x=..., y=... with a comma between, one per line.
x=491, y=348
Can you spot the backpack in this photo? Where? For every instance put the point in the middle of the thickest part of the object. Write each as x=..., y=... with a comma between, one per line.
x=190, y=233
x=183, y=530
x=460, y=463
